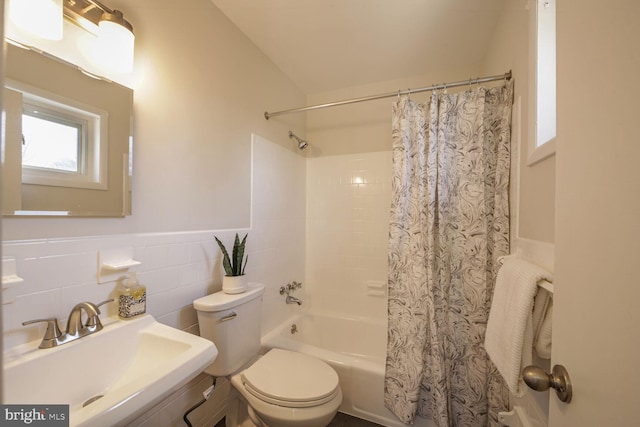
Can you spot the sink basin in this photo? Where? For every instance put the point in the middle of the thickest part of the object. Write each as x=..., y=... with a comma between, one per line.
x=131, y=364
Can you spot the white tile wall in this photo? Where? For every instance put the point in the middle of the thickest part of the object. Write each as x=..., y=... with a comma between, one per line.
x=60, y=273
x=348, y=201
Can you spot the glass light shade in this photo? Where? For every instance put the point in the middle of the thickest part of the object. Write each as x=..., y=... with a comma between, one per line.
x=115, y=45
x=42, y=18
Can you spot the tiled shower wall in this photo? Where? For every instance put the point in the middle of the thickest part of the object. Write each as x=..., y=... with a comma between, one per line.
x=348, y=200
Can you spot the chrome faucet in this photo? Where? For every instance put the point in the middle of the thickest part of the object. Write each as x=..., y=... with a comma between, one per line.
x=292, y=300
x=53, y=337
x=289, y=288
x=74, y=323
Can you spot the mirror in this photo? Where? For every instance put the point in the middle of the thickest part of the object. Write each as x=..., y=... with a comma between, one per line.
x=85, y=169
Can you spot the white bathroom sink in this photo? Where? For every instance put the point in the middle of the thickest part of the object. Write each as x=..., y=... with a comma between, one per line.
x=132, y=364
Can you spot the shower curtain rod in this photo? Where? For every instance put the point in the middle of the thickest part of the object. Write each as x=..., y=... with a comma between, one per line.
x=505, y=76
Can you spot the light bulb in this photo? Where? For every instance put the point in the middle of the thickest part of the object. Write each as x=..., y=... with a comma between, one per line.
x=42, y=18
x=116, y=43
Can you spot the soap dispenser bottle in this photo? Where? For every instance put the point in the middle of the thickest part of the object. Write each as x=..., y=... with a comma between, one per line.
x=132, y=297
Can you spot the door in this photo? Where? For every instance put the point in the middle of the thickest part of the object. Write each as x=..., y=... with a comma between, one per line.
x=596, y=331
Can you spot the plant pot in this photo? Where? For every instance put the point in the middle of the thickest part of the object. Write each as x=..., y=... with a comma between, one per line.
x=234, y=284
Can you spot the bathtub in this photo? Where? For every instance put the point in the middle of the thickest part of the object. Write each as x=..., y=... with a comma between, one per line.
x=354, y=347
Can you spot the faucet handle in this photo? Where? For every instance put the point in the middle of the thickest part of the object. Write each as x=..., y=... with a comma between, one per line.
x=94, y=320
x=104, y=302
x=290, y=287
x=52, y=332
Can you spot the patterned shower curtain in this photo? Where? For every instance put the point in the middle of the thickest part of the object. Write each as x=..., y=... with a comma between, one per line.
x=449, y=224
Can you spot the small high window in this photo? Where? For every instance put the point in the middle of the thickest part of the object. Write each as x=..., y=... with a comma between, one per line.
x=544, y=70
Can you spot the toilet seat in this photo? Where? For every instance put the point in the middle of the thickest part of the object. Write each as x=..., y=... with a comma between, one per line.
x=290, y=379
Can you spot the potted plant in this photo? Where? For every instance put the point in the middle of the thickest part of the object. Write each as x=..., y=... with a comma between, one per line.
x=233, y=281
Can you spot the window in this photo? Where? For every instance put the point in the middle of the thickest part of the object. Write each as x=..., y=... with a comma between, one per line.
x=544, y=85
x=64, y=144
x=52, y=142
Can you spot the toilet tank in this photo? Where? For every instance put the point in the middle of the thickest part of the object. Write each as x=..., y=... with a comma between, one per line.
x=232, y=322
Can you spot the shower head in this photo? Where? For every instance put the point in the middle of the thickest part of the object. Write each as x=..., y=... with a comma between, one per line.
x=302, y=144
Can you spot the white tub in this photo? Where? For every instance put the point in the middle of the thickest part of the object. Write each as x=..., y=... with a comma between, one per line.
x=354, y=347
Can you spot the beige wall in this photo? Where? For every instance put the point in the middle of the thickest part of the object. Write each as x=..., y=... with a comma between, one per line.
x=365, y=127
x=533, y=186
x=201, y=88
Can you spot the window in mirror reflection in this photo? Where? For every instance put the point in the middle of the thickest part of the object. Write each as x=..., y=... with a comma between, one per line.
x=51, y=142
x=64, y=143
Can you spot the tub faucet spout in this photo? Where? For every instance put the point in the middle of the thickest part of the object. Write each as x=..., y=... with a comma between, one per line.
x=293, y=300
x=290, y=288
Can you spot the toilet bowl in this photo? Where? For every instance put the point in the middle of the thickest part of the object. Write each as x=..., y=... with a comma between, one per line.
x=282, y=388
x=286, y=388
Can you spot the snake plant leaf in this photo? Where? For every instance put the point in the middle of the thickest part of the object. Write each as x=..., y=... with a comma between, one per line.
x=245, y=264
x=234, y=256
x=239, y=255
x=226, y=263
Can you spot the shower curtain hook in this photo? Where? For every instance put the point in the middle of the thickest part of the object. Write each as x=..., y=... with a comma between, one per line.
x=398, y=95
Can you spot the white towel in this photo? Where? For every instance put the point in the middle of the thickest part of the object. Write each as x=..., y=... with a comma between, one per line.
x=542, y=340
x=509, y=335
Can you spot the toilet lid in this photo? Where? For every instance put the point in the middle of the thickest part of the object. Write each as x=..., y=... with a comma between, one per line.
x=287, y=378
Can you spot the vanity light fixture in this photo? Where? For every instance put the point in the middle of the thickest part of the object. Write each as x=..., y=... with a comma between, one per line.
x=42, y=18
x=115, y=41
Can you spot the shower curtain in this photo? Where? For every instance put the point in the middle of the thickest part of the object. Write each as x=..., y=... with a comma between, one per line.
x=449, y=224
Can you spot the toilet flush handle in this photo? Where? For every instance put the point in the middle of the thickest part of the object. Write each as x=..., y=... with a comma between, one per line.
x=229, y=316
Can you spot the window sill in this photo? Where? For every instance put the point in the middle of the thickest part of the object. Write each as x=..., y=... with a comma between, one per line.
x=542, y=152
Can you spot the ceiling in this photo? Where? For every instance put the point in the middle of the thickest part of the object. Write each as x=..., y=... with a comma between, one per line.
x=323, y=45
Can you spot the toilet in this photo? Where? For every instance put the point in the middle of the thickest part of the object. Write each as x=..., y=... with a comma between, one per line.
x=281, y=388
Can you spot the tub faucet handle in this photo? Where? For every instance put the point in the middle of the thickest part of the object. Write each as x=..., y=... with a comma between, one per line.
x=290, y=287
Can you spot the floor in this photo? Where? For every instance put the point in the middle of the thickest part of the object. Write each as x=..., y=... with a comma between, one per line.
x=344, y=420
x=340, y=420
